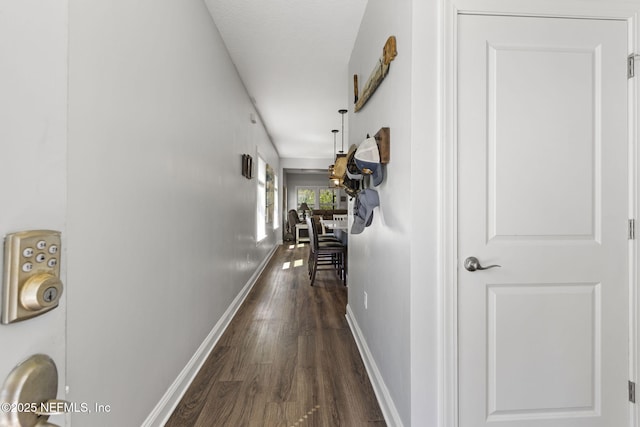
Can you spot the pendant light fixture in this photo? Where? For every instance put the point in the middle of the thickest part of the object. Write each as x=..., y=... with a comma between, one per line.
x=331, y=167
x=342, y=113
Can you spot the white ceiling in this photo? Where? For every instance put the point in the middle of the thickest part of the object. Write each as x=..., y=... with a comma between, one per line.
x=292, y=56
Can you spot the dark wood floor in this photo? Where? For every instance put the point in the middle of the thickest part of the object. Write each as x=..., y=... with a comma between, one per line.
x=287, y=359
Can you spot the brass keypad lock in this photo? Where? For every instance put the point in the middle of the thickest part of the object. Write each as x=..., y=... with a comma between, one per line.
x=32, y=283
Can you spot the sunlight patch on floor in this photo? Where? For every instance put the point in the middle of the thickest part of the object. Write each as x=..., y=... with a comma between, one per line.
x=298, y=263
x=286, y=265
x=292, y=246
x=301, y=245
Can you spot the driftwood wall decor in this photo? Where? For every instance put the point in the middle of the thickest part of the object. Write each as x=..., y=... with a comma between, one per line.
x=380, y=71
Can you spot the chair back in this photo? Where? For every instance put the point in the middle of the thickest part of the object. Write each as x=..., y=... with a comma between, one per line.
x=293, y=220
x=313, y=234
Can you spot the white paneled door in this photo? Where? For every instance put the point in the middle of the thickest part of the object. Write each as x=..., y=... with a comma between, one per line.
x=542, y=192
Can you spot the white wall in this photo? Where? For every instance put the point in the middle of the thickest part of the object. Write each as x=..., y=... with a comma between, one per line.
x=33, y=138
x=161, y=223
x=380, y=256
x=396, y=259
x=426, y=305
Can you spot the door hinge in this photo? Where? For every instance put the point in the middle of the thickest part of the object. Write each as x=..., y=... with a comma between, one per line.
x=632, y=392
x=632, y=229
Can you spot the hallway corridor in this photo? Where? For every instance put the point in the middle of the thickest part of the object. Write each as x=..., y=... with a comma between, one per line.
x=287, y=359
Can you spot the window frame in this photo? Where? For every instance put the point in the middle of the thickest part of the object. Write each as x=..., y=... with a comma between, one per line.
x=316, y=204
x=276, y=205
x=261, y=200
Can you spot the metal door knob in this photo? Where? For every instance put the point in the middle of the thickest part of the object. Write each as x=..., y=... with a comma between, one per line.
x=28, y=388
x=472, y=264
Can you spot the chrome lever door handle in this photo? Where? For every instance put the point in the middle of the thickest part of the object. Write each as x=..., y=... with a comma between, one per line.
x=472, y=264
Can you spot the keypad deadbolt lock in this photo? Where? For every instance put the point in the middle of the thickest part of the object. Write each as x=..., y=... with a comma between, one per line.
x=32, y=283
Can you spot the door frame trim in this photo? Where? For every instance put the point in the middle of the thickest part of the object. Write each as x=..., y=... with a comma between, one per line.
x=447, y=250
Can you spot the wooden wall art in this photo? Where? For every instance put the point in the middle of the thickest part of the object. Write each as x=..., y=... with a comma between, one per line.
x=270, y=194
x=389, y=52
x=383, y=139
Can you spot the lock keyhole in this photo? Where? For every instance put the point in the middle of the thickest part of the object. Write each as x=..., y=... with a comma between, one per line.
x=50, y=294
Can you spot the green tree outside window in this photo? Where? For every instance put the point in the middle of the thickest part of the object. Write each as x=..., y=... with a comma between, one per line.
x=327, y=198
x=307, y=195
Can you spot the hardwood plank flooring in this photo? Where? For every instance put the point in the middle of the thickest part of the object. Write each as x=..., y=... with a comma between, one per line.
x=287, y=359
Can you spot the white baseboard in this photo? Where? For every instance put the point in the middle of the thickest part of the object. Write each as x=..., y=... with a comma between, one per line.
x=387, y=406
x=163, y=410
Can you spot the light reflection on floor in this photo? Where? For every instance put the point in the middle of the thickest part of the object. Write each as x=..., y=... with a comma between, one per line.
x=296, y=263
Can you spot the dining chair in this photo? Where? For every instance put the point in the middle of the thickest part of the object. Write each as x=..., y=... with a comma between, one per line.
x=325, y=255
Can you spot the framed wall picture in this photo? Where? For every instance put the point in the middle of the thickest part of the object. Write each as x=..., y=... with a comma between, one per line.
x=247, y=166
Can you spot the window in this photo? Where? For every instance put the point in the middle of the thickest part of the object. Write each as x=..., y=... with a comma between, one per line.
x=308, y=195
x=318, y=197
x=328, y=198
x=261, y=215
x=276, y=216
